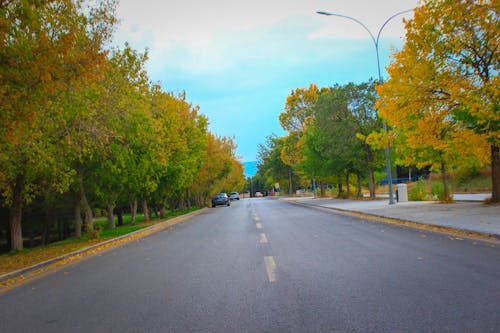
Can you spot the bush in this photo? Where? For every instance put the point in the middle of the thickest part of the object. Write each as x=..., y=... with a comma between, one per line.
x=464, y=174
x=417, y=193
x=96, y=233
x=343, y=195
x=99, y=212
x=438, y=192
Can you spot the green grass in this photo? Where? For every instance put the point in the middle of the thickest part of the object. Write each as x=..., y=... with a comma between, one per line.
x=127, y=227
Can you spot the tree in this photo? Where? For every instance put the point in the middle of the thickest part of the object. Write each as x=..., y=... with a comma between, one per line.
x=362, y=104
x=46, y=49
x=445, y=82
x=298, y=113
x=219, y=171
x=181, y=130
x=271, y=167
x=343, y=118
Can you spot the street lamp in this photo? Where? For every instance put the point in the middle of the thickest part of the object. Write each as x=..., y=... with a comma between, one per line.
x=376, y=41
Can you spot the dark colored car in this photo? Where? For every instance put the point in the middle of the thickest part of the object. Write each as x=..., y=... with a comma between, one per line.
x=221, y=199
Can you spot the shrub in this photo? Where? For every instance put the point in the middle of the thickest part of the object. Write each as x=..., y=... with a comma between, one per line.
x=417, y=193
x=464, y=174
x=438, y=192
x=99, y=212
x=96, y=233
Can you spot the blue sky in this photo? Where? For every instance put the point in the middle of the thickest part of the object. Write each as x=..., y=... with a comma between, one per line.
x=239, y=60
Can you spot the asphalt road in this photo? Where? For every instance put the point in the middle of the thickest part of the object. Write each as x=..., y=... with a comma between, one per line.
x=267, y=266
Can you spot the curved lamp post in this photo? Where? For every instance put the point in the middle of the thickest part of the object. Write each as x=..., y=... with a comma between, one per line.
x=376, y=42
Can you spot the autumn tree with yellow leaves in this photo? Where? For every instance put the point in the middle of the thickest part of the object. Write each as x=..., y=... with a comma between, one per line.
x=295, y=118
x=442, y=98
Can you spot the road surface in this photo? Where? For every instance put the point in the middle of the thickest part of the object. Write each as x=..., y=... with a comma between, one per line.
x=264, y=265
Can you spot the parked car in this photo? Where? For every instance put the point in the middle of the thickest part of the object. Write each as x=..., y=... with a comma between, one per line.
x=220, y=199
x=258, y=194
x=234, y=196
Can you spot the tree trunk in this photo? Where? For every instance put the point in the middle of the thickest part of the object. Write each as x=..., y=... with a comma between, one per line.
x=163, y=211
x=340, y=189
x=360, y=193
x=133, y=211
x=371, y=180
x=322, y=189
x=145, y=210
x=46, y=231
x=444, y=176
x=153, y=212
x=16, y=213
x=188, y=200
x=119, y=216
x=495, y=174
x=31, y=236
x=348, y=188
x=78, y=218
x=111, y=216
x=89, y=218
x=371, y=173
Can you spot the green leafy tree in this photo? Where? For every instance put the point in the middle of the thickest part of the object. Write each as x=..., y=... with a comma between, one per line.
x=271, y=167
x=336, y=139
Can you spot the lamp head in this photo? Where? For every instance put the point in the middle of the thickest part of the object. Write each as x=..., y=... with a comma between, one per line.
x=323, y=13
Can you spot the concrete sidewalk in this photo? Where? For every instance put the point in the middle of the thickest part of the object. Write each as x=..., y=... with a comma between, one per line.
x=468, y=213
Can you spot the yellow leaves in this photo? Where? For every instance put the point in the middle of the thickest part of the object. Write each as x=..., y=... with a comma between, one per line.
x=378, y=140
x=220, y=169
x=436, y=99
x=292, y=150
x=297, y=108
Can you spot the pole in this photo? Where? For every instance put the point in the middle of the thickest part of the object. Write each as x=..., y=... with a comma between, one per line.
x=251, y=187
x=376, y=43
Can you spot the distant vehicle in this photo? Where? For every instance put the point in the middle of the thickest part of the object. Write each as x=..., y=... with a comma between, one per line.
x=234, y=196
x=220, y=199
x=258, y=194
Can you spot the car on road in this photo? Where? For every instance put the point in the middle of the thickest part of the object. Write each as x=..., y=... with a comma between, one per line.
x=258, y=194
x=234, y=196
x=220, y=199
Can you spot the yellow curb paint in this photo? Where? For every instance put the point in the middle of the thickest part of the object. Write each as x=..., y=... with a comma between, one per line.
x=270, y=268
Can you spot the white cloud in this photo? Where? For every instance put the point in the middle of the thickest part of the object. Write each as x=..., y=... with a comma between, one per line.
x=209, y=36
x=241, y=58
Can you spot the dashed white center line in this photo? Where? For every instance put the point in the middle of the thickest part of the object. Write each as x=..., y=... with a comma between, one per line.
x=259, y=226
x=270, y=268
x=263, y=238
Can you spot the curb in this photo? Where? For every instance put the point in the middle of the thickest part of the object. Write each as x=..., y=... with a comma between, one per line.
x=411, y=224
x=23, y=275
